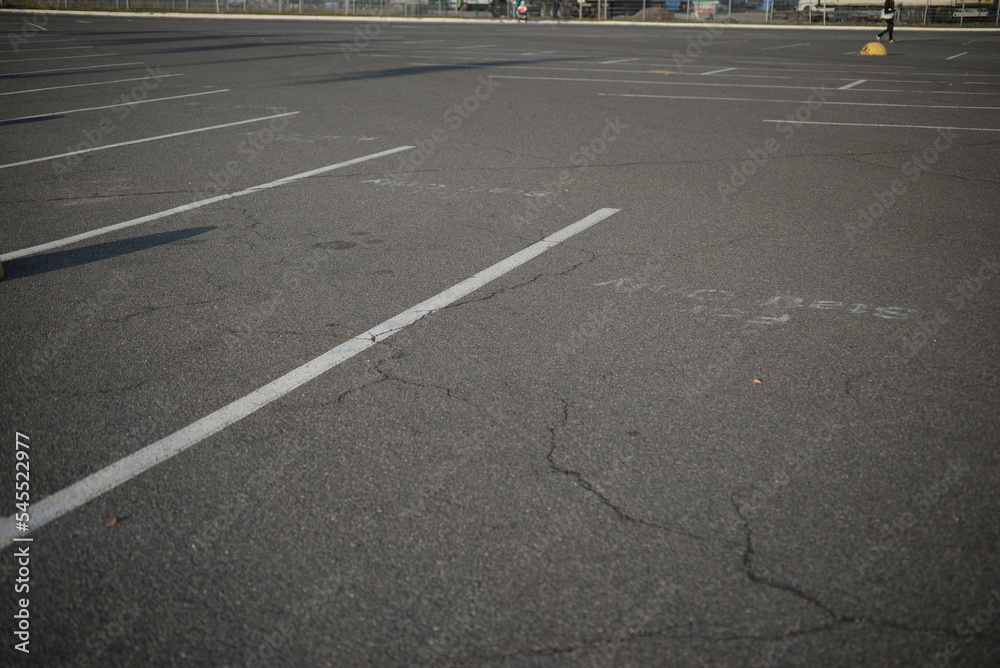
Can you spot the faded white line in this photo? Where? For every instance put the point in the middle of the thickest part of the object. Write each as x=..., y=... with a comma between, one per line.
x=681, y=83
x=123, y=470
x=46, y=50
x=28, y=60
x=853, y=84
x=70, y=69
x=731, y=85
x=786, y=46
x=725, y=69
x=754, y=99
x=37, y=26
x=142, y=141
x=611, y=62
x=883, y=125
x=59, y=243
x=93, y=83
x=956, y=55
x=111, y=106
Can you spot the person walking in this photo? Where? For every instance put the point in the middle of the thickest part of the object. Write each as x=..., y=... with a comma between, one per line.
x=889, y=14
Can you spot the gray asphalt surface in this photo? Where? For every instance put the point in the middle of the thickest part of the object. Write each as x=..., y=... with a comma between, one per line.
x=750, y=419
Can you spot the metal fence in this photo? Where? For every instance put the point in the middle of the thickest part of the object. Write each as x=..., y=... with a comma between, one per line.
x=838, y=12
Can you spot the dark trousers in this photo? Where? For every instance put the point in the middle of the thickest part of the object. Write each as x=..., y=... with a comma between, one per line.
x=888, y=28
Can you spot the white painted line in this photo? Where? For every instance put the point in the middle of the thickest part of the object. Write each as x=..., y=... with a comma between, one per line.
x=754, y=99
x=111, y=106
x=70, y=69
x=46, y=50
x=786, y=46
x=611, y=62
x=884, y=125
x=28, y=60
x=956, y=55
x=725, y=69
x=120, y=472
x=142, y=141
x=59, y=243
x=94, y=83
x=682, y=83
x=475, y=46
x=37, y=26
x=731, y=85
x=853, y=84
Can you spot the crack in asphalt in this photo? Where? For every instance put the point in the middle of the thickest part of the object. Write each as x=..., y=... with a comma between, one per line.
x=836, y=618
x=581, y=481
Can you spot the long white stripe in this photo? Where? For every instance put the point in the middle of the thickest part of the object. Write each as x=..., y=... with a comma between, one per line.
x=28, y=60
x=46, y=50
x=33, y=250
x=724, y=69
x=110, y=477
x=112, y=106
x=692, y=83
x=93, y=83
x=69, y=69
x=754, y=99
x=142, y=141
x=786, y=46
x=856, y=83
x=883, y=125
x=734, y=85
x=956, y=55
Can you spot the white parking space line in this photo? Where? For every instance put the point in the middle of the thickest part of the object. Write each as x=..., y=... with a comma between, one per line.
x=110, y=477
x=611, y=62
x=111, y=106
x=91, y=55
x=147, y=139
x=70, y=69
x=690, y=83
x=59, y=243
x=475, y=46
x=42, y=28
x=883, y=125
x=956, y=55
x=737, y=85
x=46, y=50
x=846, y=104
x=93, y=83
x=725, y=69
x=853, y=84
x=786, y=46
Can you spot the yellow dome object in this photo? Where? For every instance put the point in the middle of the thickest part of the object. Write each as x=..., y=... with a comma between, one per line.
x=874, y=49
